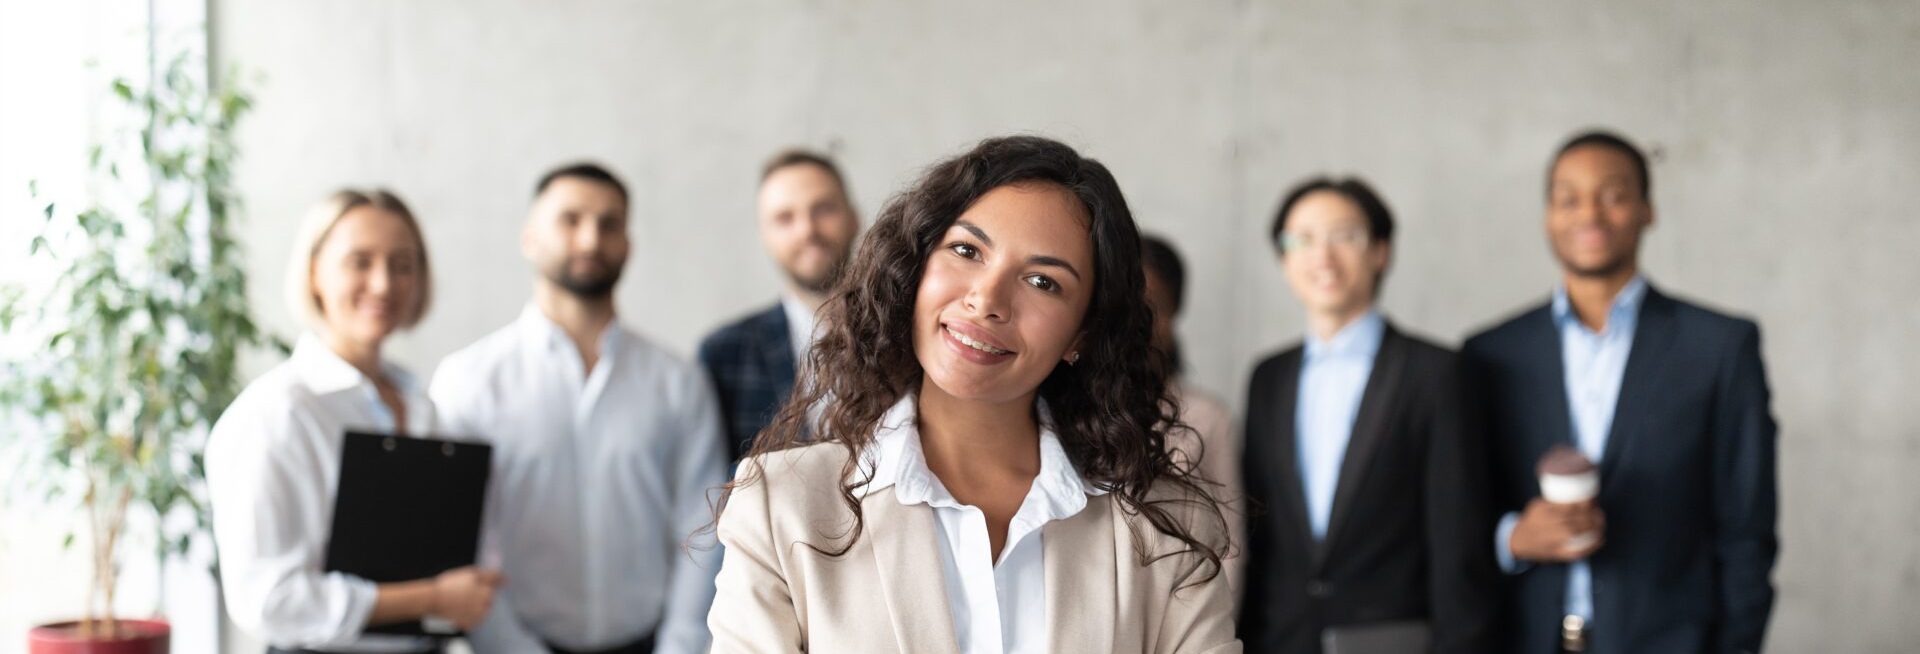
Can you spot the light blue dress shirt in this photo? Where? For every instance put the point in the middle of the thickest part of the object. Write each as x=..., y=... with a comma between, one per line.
x=1333, y=377
x=1594, y=364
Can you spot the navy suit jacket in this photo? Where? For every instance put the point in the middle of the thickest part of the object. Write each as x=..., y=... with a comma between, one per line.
x=1687, y=481
x=751, y=361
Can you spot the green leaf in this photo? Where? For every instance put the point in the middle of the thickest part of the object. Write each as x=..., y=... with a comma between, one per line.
x=142, y=353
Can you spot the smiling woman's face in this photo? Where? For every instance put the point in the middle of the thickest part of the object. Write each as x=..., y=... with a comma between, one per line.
x=1003, y=294
x=366, y=275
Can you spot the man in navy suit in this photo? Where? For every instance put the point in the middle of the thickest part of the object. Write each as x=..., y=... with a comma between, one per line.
x=1676, y=552
x=808, y=226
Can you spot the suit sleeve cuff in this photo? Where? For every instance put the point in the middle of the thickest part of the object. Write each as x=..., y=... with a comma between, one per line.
x=1503, y=545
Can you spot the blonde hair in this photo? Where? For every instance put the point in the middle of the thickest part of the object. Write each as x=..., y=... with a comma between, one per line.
x=313, y=232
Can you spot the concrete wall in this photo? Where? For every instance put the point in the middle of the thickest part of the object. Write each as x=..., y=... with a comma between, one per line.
x=1786, y=138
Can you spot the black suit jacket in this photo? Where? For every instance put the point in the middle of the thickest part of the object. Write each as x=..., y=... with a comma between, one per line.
x=1687, y=480
x=751, y=361
x=1407, y=538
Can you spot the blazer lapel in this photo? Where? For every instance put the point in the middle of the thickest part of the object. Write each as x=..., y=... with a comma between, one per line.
x=1652, y=336
x=903, y=540
x=1369, y=430
x=1550, y=388
x=1078, y=558
x=1286, y=452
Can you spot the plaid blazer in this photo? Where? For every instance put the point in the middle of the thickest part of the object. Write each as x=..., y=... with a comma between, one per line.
x=751, y=362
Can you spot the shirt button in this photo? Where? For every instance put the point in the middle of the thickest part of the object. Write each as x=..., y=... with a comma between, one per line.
x=1318, y=589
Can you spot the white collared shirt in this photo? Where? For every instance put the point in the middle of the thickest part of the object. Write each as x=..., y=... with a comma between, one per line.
x=600, y=478
x=273, y=462
x=803, y=328
x=997, y=607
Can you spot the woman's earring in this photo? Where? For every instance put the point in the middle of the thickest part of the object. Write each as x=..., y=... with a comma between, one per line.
x=1073, y=358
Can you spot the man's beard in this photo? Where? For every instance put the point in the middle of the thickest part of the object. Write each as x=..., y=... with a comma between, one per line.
x=824, y=281
x=820, y=283
x=588, y=287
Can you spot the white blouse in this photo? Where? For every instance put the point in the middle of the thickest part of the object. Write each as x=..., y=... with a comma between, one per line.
x=273, y=462
x=998, y=607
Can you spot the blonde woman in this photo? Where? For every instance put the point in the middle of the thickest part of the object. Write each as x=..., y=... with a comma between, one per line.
x=357, y=274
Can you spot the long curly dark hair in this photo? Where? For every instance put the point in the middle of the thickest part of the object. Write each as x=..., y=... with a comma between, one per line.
x=1111, y=410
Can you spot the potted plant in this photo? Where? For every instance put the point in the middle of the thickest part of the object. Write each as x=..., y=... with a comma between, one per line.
x=133, y=348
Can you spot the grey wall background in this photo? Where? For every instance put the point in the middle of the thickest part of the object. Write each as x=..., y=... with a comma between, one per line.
x=1786, y=138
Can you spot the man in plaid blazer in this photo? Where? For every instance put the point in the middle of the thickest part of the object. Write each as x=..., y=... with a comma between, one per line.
x=808, y=225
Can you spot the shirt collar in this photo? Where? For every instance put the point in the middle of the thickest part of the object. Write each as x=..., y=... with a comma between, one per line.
x=1359, y=339
x=1621, y=316
x=799, y=315
x=802, y=326
x=324, y=372
x=539, y=331
x=896, y=460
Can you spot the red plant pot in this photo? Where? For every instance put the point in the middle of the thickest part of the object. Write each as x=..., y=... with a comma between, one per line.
x=135, y=637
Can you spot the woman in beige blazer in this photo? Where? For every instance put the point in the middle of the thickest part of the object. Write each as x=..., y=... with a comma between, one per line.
x=975, y=460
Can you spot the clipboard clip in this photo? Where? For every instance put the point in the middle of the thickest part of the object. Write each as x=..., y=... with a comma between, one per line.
x=389, y=444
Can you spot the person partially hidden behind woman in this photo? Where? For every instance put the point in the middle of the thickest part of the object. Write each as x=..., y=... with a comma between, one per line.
x=358, y=273
x=988, y=472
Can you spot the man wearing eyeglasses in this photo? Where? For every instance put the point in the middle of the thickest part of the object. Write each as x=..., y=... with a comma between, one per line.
x=1362, y=451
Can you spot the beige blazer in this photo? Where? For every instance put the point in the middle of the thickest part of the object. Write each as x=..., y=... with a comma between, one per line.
x=887, y=594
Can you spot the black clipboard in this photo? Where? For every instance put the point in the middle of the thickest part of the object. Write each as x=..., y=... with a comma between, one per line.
x=407, y=508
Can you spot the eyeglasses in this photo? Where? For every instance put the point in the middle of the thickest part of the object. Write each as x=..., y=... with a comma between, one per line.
x=1349, y=240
